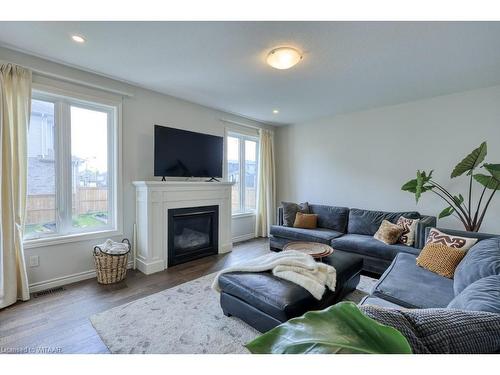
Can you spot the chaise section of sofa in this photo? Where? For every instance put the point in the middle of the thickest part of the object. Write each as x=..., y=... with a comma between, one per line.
x=407, y=285
x=351, y=231
x=475, y=286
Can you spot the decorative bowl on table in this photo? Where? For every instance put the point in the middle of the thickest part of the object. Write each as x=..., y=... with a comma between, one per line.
x=314, y=249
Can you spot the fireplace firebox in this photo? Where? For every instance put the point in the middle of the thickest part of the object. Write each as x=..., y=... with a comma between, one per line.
x=192, y=233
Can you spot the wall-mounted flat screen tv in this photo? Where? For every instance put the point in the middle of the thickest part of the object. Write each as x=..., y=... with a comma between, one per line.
x=182, y=153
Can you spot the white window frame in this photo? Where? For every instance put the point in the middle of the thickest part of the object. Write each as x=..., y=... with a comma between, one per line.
x=65, y=98
x=242, y=138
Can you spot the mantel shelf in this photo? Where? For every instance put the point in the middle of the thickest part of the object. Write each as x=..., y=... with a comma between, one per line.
x=182, y=183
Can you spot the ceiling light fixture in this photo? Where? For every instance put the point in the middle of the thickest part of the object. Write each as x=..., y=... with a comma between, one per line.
x=78, y=38
x=283, y=57
x=275, y=111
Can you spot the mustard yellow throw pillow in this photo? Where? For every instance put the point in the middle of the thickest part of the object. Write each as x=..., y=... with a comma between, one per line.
x=305, y=221
x=388, y=232
x=440, y=259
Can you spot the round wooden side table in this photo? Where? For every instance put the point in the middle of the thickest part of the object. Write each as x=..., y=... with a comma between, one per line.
x=315, y=249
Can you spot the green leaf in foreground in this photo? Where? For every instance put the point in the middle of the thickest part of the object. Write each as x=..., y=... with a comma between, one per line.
x=341, y=328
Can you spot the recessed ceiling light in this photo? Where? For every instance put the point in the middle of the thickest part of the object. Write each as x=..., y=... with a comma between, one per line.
x=78, y=38
x=276, y=111
x=283, y=57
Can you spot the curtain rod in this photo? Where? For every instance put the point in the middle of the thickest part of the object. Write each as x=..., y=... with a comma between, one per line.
x=73, y=80
x=80, y=82
x=241, y=124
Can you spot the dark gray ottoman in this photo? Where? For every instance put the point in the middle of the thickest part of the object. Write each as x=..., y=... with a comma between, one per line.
x=265, y=301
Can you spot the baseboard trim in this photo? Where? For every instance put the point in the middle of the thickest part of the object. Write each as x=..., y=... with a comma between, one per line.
x=65, y=280
x=244, y=237
x=147, y=268
x=152, y=267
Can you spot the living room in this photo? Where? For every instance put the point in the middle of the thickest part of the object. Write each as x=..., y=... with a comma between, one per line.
x=237, y=187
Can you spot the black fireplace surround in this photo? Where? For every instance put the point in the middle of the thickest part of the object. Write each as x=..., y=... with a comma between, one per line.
x=192, y=233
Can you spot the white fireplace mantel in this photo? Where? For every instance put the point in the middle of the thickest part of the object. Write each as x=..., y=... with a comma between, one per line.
x=155, y=198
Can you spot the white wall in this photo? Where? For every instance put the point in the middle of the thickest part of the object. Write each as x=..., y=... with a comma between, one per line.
x=362, y=159
x=69, y=262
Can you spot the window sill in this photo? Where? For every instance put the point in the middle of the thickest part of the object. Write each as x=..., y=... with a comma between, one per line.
x=77, y=237
x=242, y=215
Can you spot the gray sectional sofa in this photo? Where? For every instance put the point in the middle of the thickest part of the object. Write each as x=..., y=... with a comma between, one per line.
x=351, y=231
x=475, y=286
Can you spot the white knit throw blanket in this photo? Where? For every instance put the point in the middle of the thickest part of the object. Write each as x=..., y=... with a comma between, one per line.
x=294, y=266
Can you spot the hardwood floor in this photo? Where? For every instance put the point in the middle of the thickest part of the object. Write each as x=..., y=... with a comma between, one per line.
x=59, y=322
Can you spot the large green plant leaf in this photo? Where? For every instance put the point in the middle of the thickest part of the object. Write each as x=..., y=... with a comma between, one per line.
x=492, y=181
x=446, y=212
x=418, y=185
x=341, y=328
x=458, y=200
x=471, y=161
x=494, y=169
x=486, y=180
x=410, y=186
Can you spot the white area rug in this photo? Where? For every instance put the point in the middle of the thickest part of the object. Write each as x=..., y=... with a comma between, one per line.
x=184, y=319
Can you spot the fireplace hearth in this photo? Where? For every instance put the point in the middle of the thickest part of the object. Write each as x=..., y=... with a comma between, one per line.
x=192, y=233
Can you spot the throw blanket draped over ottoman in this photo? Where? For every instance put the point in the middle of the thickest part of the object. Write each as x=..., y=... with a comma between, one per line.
x=294, y=266
x=265, y=299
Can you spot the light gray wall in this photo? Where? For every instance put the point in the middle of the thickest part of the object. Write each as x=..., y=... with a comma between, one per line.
x=67, y=262
x=362, y=159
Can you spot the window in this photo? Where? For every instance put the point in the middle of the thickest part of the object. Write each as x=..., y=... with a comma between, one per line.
x=71, y=167
x=242, y=163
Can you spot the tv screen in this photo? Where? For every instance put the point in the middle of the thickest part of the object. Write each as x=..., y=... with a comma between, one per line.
x=181, y=153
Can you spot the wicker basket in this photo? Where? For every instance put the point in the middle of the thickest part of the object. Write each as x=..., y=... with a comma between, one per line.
x=111, y=268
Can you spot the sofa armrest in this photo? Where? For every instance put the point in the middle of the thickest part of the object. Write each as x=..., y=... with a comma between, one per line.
x=279, y=219
x=420, y=235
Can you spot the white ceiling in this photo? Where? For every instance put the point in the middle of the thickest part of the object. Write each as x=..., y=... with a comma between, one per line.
x=347, y=66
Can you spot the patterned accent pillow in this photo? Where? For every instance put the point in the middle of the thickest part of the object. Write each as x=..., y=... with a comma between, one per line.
x=409, y=229
x=457, y=242
x=440, y=259
x=290, y=212
x=388, y=232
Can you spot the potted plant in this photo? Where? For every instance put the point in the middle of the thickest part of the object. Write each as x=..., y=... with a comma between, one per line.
x=458, y=206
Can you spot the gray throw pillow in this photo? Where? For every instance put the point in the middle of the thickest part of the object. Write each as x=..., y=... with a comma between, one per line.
x=290, y=211
x=481, y=295
x=442, y=331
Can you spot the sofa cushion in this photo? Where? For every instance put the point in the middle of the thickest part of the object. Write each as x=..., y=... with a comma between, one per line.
x=481, y=295
x=375, y=301
x=367, y=245
x=299, y=234
x=482, y=260
x=331, y=217
x=367, y=222
x=406, y=284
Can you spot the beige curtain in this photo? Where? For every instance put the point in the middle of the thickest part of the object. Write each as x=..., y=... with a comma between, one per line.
x=15, y=108
x=266, y=184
